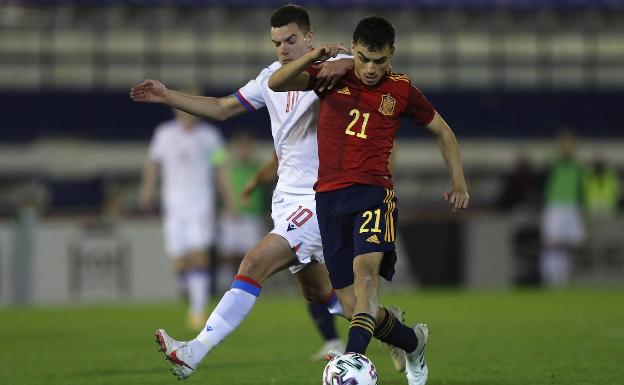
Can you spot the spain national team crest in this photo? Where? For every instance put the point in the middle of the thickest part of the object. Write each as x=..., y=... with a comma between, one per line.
x=387, y=105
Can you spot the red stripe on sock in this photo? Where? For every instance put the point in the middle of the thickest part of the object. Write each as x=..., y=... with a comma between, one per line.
x=250, y=281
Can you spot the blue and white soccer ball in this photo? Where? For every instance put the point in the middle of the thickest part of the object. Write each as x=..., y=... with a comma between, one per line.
x=350, y=369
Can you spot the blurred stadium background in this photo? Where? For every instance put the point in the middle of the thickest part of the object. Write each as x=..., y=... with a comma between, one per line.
x=506, y=74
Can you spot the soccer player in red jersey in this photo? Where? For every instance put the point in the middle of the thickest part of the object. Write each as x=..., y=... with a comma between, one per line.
x=356, y=205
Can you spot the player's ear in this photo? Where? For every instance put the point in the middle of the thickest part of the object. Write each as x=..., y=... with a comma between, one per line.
x=310, y=39
x=353, y=48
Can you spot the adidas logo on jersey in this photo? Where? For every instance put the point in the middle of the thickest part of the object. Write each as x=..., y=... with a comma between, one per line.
x=344, y=91
x=373, y=239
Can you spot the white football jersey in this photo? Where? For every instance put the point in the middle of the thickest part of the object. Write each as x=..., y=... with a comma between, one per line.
x=187, y=160
x=294, y=118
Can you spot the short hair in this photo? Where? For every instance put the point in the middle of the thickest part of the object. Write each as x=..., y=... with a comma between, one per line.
x=374, y=33
x=291, y=13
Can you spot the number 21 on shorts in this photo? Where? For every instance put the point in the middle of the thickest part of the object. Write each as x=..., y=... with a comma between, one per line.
x=368, y=216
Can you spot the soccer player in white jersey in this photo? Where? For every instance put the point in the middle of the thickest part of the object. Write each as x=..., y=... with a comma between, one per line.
x=190, y=156
x=295, y=240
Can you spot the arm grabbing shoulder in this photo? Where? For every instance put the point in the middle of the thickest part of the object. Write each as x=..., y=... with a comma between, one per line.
x=292, y=75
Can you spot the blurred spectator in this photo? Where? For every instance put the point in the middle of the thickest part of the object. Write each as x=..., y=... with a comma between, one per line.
x=23, y=244
x=562, y=226
x=520, y=186
x=241, y=232
x=601, y=190
x=191, y=155
x=521, y=195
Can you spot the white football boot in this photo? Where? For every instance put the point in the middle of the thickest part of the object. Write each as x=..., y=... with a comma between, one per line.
x=333, y=353
x=417, y=371
x=329, y=346
x=398, y=355
x=177, y=353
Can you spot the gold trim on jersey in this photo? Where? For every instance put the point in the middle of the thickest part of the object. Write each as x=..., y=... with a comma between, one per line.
x=398, y=77
x=388, y=102
x=389, y=234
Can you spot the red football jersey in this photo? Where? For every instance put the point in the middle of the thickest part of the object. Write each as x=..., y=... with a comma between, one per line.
x=357, y=126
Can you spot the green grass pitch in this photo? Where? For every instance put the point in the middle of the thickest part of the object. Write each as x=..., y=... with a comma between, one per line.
x=477, y=338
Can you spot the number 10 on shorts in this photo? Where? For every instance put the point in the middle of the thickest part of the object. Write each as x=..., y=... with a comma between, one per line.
x=300, y=216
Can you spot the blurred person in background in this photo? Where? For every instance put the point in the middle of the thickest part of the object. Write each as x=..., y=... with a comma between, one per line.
x=30, y=203
x=520, y=186
x=189, y=155
x=601, y=187
x=563, y=231
x=294, y=242
x=240, y=233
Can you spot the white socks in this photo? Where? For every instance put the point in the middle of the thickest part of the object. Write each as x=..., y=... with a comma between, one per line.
x=234, y=306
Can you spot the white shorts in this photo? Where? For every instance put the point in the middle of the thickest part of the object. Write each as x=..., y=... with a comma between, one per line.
x=237, y=235
x=562, y=224
x=184, y=233
x=294, y=218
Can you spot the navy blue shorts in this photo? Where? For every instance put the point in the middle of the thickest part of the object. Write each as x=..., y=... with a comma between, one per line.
x=356, y=220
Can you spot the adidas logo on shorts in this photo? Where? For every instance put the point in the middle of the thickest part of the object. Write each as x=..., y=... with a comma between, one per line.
x=373, y=239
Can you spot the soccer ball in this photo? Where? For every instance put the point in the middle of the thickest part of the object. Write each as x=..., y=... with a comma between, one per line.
x=350, y=369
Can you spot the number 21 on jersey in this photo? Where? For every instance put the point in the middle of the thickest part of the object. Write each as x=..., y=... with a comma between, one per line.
x=355, y=113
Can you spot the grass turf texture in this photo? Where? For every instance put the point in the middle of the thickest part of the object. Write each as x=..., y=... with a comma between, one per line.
x=520, y=337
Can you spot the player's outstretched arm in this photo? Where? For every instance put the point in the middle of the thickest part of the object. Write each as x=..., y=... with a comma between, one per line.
x=458, y=196
x=292, y=77
x=153, y=91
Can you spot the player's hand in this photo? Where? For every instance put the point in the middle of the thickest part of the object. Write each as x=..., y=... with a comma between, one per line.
x=457, y=199
x=331, y=72
x=326, y=51
x=149, y=91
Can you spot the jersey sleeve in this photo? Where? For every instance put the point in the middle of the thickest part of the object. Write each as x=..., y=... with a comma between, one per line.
x=419, y=108
x=251, y=95
x=156, y=148
x=340, y=56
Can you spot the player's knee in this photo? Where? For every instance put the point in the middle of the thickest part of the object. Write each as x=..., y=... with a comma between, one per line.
x=252, y=267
